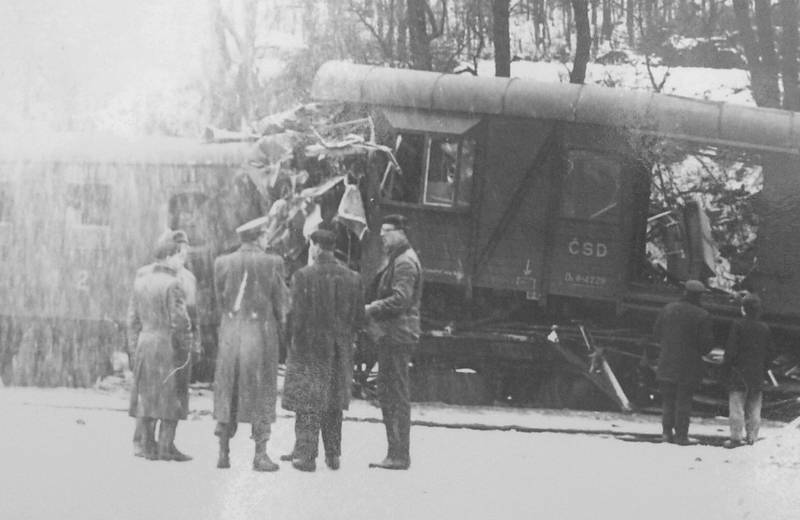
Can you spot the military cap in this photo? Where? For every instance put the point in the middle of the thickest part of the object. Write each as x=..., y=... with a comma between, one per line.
x=324, y=238
x=694, y=286
x=168, y=243
x=398, y=221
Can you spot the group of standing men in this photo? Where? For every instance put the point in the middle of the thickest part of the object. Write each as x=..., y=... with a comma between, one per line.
x=324, y=310
x=684, y=331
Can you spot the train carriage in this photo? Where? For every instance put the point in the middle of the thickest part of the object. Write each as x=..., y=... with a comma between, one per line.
x=78, y=216
x=531, y=204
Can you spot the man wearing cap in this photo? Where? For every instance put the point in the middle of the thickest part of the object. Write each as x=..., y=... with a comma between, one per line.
x=683, y=330
x=747, y=353
x=252, y=297
x=159, y=327
x=183, y=375
x=394, y=297
x=327, y=311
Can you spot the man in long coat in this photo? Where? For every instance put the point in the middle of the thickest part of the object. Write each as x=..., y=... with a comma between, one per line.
x=327, y=312
x=252, y=297
x=395, y=298
x=159, y=327
x=683, y=329
x=182, y=376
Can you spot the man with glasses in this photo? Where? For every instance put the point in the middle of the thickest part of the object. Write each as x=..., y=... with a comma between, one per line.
x=394, y=298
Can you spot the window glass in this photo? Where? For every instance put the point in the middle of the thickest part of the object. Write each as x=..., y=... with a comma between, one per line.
x=440, y=187
x=464, y=194
x=88, y=204
x=6, y=202
x=186, y=212
x=409, y=151
x=591, y=187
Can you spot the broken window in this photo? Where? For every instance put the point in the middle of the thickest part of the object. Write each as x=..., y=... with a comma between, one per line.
x=187, y=212
x=439, y=166
x=88, y=204
x=591, y=186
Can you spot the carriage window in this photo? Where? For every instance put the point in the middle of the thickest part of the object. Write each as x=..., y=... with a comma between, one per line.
x=446, y=163
x=591, y=187
x=186, y=212
x=88, y=204
x=6, y=202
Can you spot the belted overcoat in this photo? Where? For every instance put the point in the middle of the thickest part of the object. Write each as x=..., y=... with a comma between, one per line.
x=159, y=327
x=327, y=312
x=249, y=333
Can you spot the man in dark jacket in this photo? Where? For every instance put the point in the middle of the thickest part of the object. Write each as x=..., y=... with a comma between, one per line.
x=684, y=331
x=747, y=353
x=327, y=311
x=394, y=305
x=252, y=297
x=159, y=327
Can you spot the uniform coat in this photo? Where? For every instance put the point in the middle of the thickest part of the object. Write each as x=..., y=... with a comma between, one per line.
x=684, y=332
x=327, y=312
x=159, y=327
x=248, y=336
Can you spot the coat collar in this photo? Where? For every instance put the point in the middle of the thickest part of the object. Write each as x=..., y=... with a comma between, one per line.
x=250, y=247
x=160, y=267
x=326, y=257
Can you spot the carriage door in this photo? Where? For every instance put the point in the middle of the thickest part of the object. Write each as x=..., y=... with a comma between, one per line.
x=586, y=254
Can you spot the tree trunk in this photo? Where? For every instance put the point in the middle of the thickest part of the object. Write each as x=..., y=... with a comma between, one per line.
x=402, y=32
x=629, y=21
x=766, y=44
x=789, y=66
x=763, y=92
x=502, y=43
x=419, y=41
x=595, y=32
x=583, y=41
x=608, y=28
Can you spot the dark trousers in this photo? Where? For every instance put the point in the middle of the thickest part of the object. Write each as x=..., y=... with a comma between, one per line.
x=261, y=427
x=395, y=396
x=676, y=408
x=307, y=429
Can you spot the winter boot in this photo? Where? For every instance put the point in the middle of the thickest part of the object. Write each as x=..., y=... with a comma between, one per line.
x=261, y=461
x=149, y=446
x=224, y=461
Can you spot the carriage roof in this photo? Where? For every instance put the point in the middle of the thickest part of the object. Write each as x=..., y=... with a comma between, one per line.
x=103, y=148
x=693, y=120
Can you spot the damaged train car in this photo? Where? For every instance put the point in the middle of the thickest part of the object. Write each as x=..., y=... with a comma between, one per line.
x=554, y=220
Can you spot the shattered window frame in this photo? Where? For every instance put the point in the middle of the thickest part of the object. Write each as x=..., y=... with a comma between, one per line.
x=454, y=193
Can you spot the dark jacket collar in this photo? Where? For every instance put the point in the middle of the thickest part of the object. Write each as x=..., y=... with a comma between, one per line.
x=326, y=257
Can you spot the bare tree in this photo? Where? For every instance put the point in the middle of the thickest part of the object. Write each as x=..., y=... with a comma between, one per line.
x=583, y=41
x=502, y=43
x=789, y=43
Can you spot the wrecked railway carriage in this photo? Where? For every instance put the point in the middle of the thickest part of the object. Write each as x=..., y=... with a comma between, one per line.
x=533, y=205
x=536, y=204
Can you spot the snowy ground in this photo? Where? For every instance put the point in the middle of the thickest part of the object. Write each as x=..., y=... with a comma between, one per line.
x=67, y=454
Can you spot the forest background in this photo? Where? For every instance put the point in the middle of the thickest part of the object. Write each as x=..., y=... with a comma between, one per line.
x=173, y=68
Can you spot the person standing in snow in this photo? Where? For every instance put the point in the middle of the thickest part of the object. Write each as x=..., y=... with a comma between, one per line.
x=327, y=311
x=747, y=352
x=160, y=329
x=252, y=297
x=683, y=329
x=183, y=376
x=395, y=296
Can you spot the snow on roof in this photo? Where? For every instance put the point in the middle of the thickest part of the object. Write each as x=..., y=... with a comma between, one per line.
x=696, y=120
x=78, y=147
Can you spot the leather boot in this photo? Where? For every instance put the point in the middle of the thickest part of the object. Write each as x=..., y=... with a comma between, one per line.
x=261, y=461
x=332, y=461
x=150, y=449
x=390, y=463
x=224, y=461
x=166, y=438
x=304, y=464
